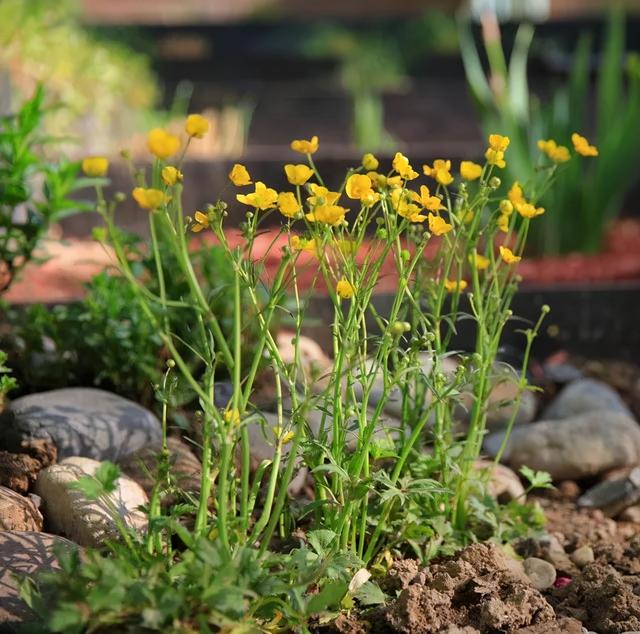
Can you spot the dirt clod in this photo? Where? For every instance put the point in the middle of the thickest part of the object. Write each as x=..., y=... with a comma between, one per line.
x=19, y=471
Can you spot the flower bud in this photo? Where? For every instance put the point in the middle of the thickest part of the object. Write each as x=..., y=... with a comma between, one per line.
x=494, y=182
x=171, y=363
x=119, y=197
x=546, y=309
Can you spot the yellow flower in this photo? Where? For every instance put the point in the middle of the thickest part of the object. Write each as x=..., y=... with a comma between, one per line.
x=285, y=437
x=162, y=144
x=95, y=166
x=239, y=175
x=454, y=285
x=394, y=182
x=527, y=210
x=322, y=196
x=303, y=244
x=557, y=153
x=149, y=198
x=196, y=126
x=370, y=199
x=344, y=289
x=503, y=223
x=201, y=221
x=498, y=142
x=232, y=416
x=516, y=195
x=400, y=199
x=582, y=146
x=441, y=171
x=298, y=174
x=438, y=226
x=262, y=198
x=470, y=171
x=495, y=157
x=171, y=175
x=468, y=217
x=506, y=207
x=378, y=180
x=480, y=261
x=359, y=187
x=347, y=247
x=305, y=147
x=432, y=203
x=507, y=256
x=288, y=204
x=402, y=166
x=329, y=214
x=370, y=162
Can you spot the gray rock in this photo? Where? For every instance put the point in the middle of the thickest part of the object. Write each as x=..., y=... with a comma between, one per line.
x=582, y=396
x=540, y=572
x=613, y=496
x=23, y=554
x=87, y=522
x=80, y=422
x=583, y=556
x=18, y=513
x=574, y=448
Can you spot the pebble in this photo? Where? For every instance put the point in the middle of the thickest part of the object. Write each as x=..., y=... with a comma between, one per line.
x=87, y=522
x=583, y=556
x=613, y=496
x=81, y=422
x=540, y=572
x=17, y=512
x=578, y=447
x=504, y=484
x=584, y=396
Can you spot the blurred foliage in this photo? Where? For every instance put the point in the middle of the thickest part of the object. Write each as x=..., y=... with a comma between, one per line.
x=34, y=192
x=590, y=193
x=103, y=85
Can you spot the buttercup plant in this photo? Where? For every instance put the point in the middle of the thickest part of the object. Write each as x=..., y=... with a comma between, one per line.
x=379, y=483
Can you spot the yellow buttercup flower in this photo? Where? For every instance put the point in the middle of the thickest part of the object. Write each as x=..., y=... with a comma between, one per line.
x=305, y=147
x=495, y=157
x=171, y=175
x=359, y=187
x=394, y=182
x=470, y=171
x=322, y=196
x=557, y=153
x=503, y=223
x=370, y=162
x=480, y=261
x=201, y=221
x=162, y=144
x=378, y=180
x=441, y=171
x=329, y=214
x=468, y=217
x=432, y=203
x=95, y=166
x=288, y=204
x=403, y=167
x=401, y=201
x=239, y=175
x=262, y=198
x=438, y=226
x=344, y=289
x=196, y=126
x=282, y=436
x=498, y=142
x=232, y=416
x=371, y=198
x=453, y=285
x=149, y=198
x=508, y=257
x=303, y=244
x=516, y=195
x=582, y=146
x=527, y=210
x=506, y=207
x=298, y=174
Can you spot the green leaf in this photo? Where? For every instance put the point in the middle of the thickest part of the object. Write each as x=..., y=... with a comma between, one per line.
x=329, y=597
x=370, y=594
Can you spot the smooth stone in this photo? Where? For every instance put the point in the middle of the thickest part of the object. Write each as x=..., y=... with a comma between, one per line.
x=631, y=514
x=23, y=553
x=185, y=468
x=574, y=448
x=540, y=572
x=314, y=364
x=561, y=373
x=504, y=484
x=17, y=512
x=583, y=556
x=584, y=396
x=81, y=422
x=613, y=496
x=87, y=522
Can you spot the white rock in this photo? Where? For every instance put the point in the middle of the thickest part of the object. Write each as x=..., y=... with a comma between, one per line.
x=540, y=572
x=87, y=522
x=503, y=482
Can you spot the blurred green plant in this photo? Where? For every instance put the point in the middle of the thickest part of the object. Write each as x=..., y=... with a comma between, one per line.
x=589, y=195
x=104, y=85
x=34, y=192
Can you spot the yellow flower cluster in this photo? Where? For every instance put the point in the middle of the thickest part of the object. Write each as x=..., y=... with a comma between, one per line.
x=520, y=203
x=498, y=145
x=582, y=146
x=557, y=153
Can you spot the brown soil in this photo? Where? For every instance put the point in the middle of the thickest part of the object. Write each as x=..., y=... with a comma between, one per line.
x=18, y=471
